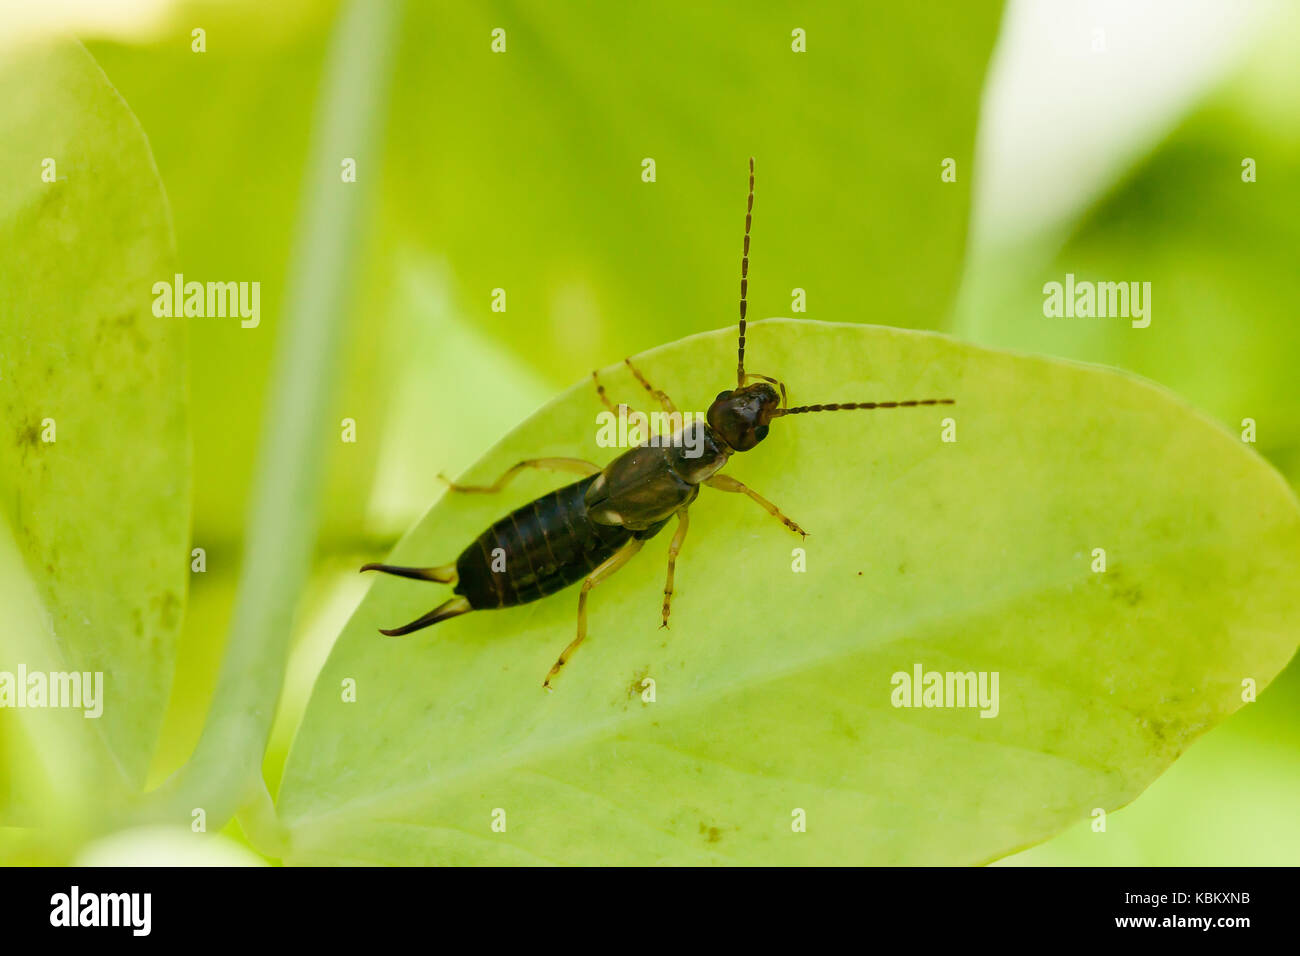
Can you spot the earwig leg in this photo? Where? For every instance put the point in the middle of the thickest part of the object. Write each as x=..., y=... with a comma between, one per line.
x=575, y=465
x=456, y=606
x=661, y=397
x=445, y=574
x=615, y=561
x=727, y=483
x=600, y=393
x=673, y=550
x=621, y=410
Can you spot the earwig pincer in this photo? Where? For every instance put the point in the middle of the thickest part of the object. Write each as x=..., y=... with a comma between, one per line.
x=589, y=529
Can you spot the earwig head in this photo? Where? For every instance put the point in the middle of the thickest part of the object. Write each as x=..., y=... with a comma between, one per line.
x=740, y=416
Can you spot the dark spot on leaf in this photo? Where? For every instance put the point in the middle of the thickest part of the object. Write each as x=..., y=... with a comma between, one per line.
x=120, y=328
x=1122, y=589
x=168, y=608
x=634, y=689
x=29, y=435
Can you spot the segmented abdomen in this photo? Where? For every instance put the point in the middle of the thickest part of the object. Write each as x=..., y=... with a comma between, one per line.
x=538, y=549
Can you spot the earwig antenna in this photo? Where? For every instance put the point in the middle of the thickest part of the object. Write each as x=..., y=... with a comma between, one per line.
x=847, y=406
x=744, y=279
x=770, y=381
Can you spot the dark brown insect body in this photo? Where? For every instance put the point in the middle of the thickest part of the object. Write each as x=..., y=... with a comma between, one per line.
x=540, y=548
x=587, y=530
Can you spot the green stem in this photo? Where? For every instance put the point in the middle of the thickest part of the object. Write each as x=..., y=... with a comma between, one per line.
x=225, y=770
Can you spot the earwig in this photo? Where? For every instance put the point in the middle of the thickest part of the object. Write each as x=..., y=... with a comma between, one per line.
x=589, y=529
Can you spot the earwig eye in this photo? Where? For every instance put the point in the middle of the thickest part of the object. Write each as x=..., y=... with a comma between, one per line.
x=722, y=395
x=761, y=432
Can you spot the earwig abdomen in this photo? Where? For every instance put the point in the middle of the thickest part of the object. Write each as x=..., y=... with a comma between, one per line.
x=539, y=549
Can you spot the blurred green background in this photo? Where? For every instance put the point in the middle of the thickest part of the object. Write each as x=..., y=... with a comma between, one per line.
x=523, y=171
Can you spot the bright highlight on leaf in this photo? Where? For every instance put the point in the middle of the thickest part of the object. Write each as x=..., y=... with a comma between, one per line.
x=956, y=540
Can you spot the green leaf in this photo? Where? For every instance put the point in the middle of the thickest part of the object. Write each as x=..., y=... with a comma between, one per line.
x=1244, y=776
x=773, y=688
x=94, y=457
